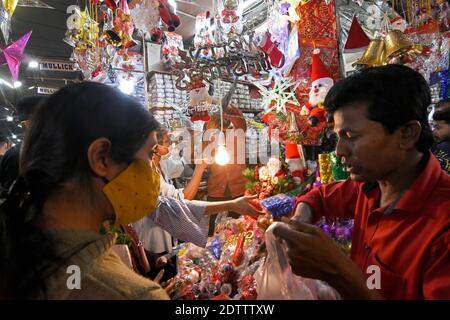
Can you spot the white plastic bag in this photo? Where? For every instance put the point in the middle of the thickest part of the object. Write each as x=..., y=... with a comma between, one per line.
x=276, y=281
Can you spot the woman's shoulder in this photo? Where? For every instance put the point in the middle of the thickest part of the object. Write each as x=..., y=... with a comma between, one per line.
x=110, y=279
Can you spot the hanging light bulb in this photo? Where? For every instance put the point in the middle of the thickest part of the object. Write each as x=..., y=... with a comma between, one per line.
x=222, y=156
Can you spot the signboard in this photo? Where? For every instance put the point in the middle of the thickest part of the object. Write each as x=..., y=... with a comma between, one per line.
x=45, y=90
x=56, y=66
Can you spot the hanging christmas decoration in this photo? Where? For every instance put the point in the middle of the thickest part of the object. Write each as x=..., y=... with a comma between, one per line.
x=282, y=94
x=13, y=54
x=10, y=6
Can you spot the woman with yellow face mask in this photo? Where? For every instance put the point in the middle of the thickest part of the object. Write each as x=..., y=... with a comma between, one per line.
x=86, y=160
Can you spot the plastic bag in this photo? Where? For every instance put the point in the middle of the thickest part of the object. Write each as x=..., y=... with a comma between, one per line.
x=274, y=279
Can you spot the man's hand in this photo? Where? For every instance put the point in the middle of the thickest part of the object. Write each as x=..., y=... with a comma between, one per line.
x=312, y=254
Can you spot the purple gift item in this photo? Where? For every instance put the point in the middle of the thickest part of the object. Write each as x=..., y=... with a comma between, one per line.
x=279, y=205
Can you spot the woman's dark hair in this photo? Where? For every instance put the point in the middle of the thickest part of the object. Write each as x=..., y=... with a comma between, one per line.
x=442, y=115
x=55, y=151
x=394, y=95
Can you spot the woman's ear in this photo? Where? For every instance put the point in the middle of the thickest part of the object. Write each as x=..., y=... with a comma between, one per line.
x=410, y=134
x=99, y=157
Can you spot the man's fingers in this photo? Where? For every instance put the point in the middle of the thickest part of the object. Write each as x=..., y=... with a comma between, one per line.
x=283, y=231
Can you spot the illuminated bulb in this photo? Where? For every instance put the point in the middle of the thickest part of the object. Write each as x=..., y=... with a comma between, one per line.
x=126, y=87
x=33, y=64
x=9, y=118
x=14, y=136
x=222, y=157
x=17, y=84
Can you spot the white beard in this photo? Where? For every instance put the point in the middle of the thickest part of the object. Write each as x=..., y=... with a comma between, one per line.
x=316, y=98
x=295, y=164
x=197, y=96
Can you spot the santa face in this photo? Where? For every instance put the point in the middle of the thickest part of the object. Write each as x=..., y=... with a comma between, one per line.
x=319, y=90
x=295, y=165
x=199, y=96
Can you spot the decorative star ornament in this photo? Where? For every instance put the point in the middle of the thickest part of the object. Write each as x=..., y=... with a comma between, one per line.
x=282, y=93
x=13, y=54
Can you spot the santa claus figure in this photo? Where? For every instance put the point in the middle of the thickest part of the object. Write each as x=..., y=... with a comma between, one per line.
x=295, y=162
x=321, y=81
x=320, y=85
x=199, y=100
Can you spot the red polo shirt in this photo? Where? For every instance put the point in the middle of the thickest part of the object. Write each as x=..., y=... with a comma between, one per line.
x=411, y=245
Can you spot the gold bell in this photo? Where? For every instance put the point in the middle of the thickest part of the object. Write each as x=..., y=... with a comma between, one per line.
x=373, y=56
x=396, y=44
x=112, y=38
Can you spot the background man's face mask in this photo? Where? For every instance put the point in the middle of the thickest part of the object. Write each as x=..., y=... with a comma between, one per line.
x=134, y=192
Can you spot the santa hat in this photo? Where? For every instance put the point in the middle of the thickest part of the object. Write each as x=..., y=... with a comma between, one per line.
x=295, y=161
x=319, y=73
x=357, y=39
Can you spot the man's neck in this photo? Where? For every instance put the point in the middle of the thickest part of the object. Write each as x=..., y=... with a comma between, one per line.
x=398, y=181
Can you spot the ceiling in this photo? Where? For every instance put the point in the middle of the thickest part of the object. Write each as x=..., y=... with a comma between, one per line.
x=49, y=27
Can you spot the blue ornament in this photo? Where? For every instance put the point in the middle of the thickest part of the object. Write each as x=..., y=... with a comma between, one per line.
x=279, y=205
x=216, y=248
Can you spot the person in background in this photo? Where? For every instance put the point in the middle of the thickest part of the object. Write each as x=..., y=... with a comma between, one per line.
x=4, y=145
x=9, y=166
x=227, y=182
x=441, y=131
x=397, y=194
x=83, y=166
x=155, y=239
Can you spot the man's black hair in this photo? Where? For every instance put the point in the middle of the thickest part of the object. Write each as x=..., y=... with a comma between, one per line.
x=441, y=103
x=394, y=95
x=3, y=138
x=442, y=115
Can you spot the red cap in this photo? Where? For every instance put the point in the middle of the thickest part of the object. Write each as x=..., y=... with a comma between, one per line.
x=357, y=38
x=292, y=151
x=318, y=69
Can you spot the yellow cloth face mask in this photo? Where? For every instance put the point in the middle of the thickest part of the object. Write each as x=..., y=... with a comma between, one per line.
x=133, y=193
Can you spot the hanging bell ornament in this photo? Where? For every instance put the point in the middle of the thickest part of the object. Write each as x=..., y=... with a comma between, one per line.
x=373, y=56
x=397, y=44
x=113, y=38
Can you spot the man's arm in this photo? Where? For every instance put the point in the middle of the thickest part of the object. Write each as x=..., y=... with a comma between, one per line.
x=332, y=200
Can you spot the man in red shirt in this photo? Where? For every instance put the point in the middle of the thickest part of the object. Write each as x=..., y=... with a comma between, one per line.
x=397, y=194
